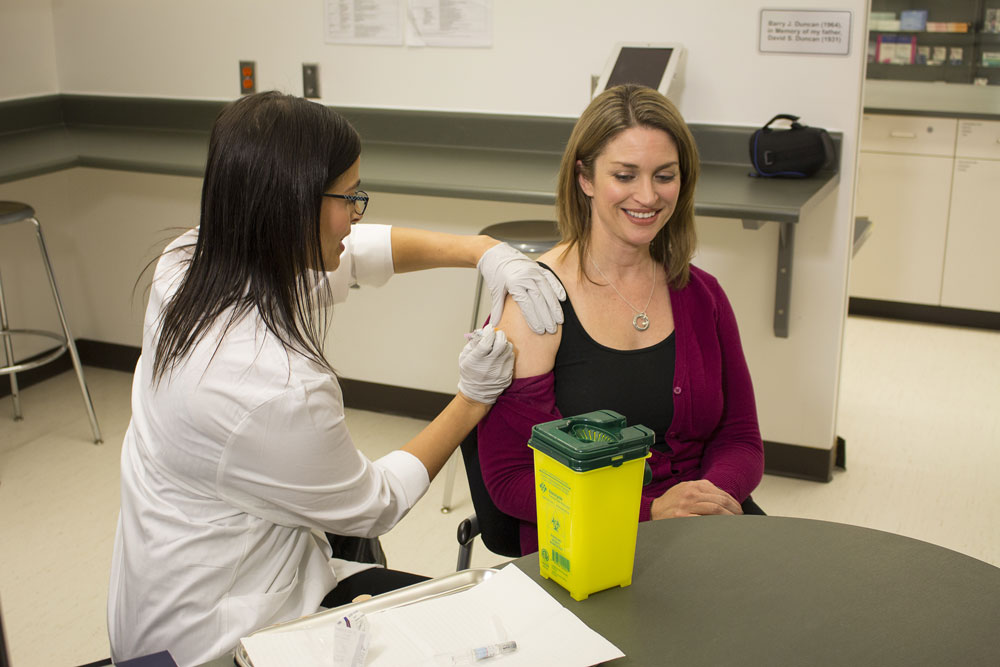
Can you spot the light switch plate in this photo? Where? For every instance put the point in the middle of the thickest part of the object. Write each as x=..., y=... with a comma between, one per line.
x=310, y=80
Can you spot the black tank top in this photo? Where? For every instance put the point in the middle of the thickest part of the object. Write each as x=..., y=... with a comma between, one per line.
x=635, y=383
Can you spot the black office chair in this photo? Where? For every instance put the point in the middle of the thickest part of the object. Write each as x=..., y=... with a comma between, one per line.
x=500, y=532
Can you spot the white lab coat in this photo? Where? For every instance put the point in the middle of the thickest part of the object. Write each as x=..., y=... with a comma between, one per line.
x=227, y=467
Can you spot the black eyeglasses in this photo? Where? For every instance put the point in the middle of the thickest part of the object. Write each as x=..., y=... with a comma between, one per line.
x=360, y=199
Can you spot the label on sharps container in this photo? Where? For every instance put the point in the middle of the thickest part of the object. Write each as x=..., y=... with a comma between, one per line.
x=554, y=503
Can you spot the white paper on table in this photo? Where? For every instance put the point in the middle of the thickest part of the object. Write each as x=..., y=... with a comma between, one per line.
x=507, y=606
x=325, y=646
x=294, y=648
x=545, y=631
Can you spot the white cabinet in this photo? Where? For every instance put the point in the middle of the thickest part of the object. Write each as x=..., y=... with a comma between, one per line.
x=906, y=198
x=931, y=187
x=978, y=139
x=908, y=135
x=971, y=269
x=904, y=178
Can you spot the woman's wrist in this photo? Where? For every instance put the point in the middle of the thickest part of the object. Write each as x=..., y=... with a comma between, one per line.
x=480, y=244
x=473, y=404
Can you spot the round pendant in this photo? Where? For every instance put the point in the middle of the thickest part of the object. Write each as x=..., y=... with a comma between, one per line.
x=640, y=322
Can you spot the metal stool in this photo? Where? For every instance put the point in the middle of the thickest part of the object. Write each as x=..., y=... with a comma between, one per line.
x=532, y=237
x=11, y=212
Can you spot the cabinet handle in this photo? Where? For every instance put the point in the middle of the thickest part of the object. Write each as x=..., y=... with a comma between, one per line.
x=898, y=134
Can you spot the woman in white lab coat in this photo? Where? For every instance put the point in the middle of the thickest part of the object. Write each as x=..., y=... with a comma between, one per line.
x=237, y=457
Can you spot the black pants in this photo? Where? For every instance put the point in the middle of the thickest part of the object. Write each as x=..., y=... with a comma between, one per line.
x=372, y=581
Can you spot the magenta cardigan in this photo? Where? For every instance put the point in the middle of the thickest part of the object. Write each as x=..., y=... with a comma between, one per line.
x=714, y=433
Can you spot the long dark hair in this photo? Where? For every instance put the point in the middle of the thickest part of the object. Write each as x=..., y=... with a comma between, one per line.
x=608, y=115
x=270, y=158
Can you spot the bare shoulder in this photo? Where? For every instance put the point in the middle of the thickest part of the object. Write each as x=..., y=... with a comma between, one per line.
x=534, y=354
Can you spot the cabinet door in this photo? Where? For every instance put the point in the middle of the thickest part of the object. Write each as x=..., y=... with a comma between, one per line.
x=906, y=198
x=978, y=139
x=971, y=270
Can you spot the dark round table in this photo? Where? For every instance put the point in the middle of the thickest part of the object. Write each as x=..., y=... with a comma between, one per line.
x=779, y=591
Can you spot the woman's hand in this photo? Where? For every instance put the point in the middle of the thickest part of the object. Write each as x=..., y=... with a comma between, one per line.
x=535, y=290
x=486, y=365
x=697, y=498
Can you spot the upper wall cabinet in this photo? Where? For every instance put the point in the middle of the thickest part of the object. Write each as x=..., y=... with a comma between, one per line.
x=957, y=41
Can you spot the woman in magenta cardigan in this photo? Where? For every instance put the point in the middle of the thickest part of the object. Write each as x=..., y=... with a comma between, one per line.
x=645, y=333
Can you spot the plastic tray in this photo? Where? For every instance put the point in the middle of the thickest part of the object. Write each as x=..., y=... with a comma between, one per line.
x=425, y=590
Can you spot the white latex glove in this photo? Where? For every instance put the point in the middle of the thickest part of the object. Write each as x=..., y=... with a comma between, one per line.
x=486, y=365
x=535, y=290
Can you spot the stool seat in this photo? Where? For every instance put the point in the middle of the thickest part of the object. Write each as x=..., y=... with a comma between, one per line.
x=532, y=237
x=14, y=211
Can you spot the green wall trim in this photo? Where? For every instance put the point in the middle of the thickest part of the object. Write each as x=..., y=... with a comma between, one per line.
x=140, y=112
x=723, y=144
x=543, y=134
x=31, y=113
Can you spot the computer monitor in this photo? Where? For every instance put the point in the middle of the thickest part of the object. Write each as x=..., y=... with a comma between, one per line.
x=653, y=65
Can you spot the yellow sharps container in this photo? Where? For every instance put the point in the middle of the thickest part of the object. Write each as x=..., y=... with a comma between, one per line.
x=588, y=484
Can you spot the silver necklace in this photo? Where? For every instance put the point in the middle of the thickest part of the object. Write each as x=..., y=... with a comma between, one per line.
x=641, y=320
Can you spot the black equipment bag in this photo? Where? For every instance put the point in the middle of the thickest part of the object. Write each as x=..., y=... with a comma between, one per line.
x=796, y=152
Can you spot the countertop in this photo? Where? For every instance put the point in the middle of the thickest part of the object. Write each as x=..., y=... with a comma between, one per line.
x=462, y=155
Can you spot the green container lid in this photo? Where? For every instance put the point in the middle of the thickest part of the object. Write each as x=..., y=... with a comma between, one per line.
x=590, y=441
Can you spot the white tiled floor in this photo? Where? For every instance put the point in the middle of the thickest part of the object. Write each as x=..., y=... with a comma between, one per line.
x=919, y=408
